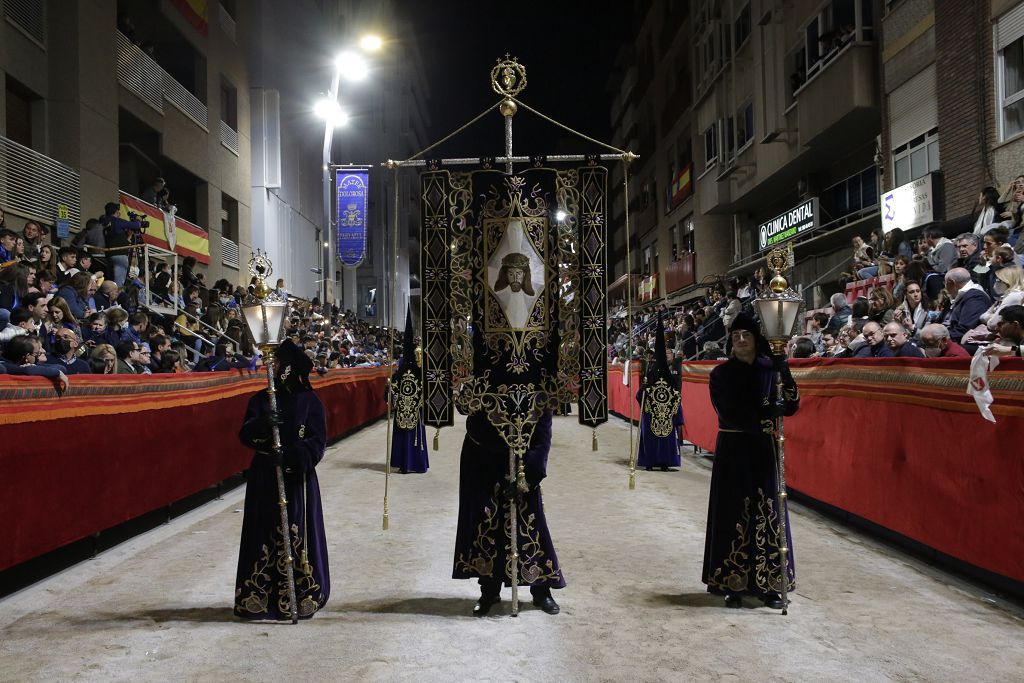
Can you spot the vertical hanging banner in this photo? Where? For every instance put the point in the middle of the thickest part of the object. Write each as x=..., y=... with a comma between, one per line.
x=352, y=188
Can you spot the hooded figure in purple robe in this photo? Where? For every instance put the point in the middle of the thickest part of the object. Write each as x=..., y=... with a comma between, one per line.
x=661, y=415
x=261, y=586
x=741, y=549
x=408, y=435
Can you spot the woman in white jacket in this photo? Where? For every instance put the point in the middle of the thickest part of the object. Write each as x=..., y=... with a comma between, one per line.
x=912, y=313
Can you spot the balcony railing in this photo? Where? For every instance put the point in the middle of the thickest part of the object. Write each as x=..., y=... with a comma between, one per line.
x=681, y=273
x=186, y=102
x=33, y=185
x=137, y=72
x=29, y=16
x=229, y=137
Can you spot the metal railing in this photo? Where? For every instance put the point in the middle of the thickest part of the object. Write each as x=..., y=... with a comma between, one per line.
x=229, y=137
x=187, y=103
x=33, y=185
x=29, y=16
x=139, y=73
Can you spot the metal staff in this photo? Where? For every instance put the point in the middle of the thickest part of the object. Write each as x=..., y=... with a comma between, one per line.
x=634, y=453
x=282, y=500
x=782, y=499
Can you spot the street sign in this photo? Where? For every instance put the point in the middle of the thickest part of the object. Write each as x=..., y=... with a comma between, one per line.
x=63, y=222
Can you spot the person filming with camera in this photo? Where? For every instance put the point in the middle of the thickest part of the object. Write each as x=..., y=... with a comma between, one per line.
x=120, y=234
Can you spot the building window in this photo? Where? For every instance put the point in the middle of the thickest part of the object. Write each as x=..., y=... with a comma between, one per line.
x=686, y=241
x=1011, y=86
x=22, y=106
x=917, y=158
x=228, y=104
x=852, y=195
x=711, y=145
x=229, y=217
x=741, y=27
x=838, y=24
x=745, y=125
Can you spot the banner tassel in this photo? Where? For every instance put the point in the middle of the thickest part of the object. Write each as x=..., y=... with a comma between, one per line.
x=593, y=442
x=437, y=439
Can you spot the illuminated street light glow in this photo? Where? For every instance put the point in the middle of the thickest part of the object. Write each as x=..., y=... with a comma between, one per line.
x=330, y=111
x=371, y=42
x=352, y=66
x=560, y=215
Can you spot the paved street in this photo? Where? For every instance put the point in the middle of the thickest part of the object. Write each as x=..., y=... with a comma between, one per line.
x=159, y=606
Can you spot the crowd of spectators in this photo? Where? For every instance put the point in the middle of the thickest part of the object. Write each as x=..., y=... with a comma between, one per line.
x=68, y=310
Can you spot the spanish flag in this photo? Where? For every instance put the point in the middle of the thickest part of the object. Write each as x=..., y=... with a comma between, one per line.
x=185, y=239
x=195, y=12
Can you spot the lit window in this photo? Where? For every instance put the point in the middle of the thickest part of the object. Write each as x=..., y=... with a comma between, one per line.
x=1011, y=62
x=711, y=145
x=917, y=158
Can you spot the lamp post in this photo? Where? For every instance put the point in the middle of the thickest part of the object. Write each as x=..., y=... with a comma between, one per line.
x=779, y=310
x=354, y=68
x=264, y=314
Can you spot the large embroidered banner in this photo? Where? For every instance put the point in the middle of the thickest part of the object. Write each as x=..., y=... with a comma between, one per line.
x=514, y=282
x=353, y=190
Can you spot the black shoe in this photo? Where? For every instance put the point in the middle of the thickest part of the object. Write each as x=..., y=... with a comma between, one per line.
x=733, y=601
x=484, y=605
x=773, y=601
x=664, y=469
x=546, y=603
x=649, y=469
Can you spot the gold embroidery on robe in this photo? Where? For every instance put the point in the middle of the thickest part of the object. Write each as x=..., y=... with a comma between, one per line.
x=662, y=404
x=734, y=574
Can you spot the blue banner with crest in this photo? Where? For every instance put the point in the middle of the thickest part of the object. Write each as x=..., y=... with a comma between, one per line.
x=352, y=188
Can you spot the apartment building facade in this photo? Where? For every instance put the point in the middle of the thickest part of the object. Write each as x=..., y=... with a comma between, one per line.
x=106, y=97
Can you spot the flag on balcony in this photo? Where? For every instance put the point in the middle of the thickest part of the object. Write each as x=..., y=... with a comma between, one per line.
x=188, y=239
x=682, y=185
x=195, y=12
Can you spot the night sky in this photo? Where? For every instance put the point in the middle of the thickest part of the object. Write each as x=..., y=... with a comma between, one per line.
x=568, y=48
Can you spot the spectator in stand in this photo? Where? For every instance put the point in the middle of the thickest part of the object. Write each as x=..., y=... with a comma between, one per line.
x=170, y=362
x=969, y=302
x=8, y=244
x=129, y=358
x=94, y=332
x=863, y=259
x=103, y=360
x=45, y=283
x=935, y=343
x=117, y=324
x=91, y=237
x=818, y=324
x=996, y=237
x=922, y=272
x=280, y=289
x=47, y=261
x=58, y=318
x=32, y=236
x=913, y=312
x=803, y=348
x=1011, y=332
x=78, y=292
x=38, y=305
x=899, y=280
x=942, y=253
x=159, y=345
x=969, y=255
x=67, y=257
x=84, y=263
x=9, y=324
x=187, y=272
x=221, y=359
x=897, y=338
x=986, y=209
x=161, y=281
x=13, y=285
x=138, y=324
x=65, y=354
x=883, y=306
x=733, y=308
x=119, y=235
x=20, y=357
x=108, y=295
x=840, y=313
x=875, y=346
x=1009, y=291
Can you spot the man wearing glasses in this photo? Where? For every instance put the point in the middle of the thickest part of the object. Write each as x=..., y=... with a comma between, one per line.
x=65, y=356
x=875, y=347
x=129, y=358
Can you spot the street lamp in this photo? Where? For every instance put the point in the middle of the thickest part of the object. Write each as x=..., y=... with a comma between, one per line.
x=353, y=67
x=779, y=310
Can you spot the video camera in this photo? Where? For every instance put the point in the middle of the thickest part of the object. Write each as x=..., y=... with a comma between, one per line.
x=143, y=220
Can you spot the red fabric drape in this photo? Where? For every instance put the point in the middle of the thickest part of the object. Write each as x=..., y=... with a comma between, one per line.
x=134, y=446
x=620, y=400
x=899, y=442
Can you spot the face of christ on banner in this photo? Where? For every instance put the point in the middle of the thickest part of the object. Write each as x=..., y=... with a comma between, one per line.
x=516, y=275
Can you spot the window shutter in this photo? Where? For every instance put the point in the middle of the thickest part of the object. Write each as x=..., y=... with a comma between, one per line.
x=913, y=108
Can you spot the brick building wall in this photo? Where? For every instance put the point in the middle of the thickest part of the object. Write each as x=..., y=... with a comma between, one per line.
x=963, y=47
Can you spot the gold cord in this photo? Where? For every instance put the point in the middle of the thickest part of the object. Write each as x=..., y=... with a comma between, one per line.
x=482, y=114
x=629, y=321
x=391, y=342
x=567, y=128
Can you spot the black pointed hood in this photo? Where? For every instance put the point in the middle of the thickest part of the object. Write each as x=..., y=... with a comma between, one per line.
x=659, y=368
x=409, y=344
